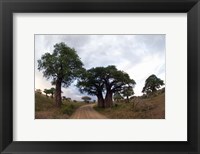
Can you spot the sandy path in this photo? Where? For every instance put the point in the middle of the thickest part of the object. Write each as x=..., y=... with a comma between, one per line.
x=87, y=112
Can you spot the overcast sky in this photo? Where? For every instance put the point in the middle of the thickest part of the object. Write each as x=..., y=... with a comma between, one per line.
x=138, y=55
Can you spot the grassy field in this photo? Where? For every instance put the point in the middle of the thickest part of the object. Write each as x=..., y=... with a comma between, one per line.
x=45, y=109
x=137, y=108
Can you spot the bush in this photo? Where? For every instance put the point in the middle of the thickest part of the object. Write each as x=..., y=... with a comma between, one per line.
x=68, y=109
x=116, y=105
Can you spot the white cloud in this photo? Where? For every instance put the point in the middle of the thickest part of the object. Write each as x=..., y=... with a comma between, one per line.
x=138, y=55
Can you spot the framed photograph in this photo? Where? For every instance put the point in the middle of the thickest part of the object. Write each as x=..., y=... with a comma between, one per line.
x=99, y=76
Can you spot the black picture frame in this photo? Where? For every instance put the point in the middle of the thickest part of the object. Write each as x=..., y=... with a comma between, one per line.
x=8, y=7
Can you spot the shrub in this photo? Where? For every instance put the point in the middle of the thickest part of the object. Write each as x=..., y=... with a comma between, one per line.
x=68, y=109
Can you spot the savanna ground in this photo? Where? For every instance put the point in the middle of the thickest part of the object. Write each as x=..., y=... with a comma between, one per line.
x=152, y=107
x=45, y=109
x=137, y=108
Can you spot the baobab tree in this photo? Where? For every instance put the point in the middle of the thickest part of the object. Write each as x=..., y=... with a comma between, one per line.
x=92, y=83
x=152, y=84
x=62, y=67
x=108, y=79
x=114, y=81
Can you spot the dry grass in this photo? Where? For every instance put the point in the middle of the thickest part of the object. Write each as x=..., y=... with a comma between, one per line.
x=50, y=114
x=138, y=108
x=45, y=109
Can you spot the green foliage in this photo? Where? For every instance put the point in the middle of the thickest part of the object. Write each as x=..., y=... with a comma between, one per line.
x=63, y=64
x=127, y=91
x=108, y=79
x=68, y=109
x=45, y=109
x=152, y=84
x=46, y=91
x=91, y=81
x=52, y=90
x=49, y=91
x=115, y=79
x=117, y=96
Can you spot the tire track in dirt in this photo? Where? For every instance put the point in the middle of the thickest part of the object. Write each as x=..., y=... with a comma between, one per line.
x=87, y=112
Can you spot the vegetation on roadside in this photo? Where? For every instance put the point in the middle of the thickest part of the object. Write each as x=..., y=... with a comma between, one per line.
x=137, y=108
x=45, y=108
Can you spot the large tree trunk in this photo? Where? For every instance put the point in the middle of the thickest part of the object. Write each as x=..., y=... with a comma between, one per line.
x=100, y=101
x=58, y=100
x=108, y=99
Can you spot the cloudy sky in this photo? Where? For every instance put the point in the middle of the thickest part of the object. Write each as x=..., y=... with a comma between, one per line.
x=138, y=55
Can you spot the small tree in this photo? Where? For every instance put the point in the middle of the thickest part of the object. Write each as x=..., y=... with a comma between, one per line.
x=152, y=84
x=117, y=96
x=52, y=91
x=86, y=99
x=64, y=98
x=127, y=91
x=46, y=91
x=68, y=99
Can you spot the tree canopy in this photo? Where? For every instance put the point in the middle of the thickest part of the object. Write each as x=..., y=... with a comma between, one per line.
x=52, y=91
x=127, y=91
x=91, y=83
x=46, y=92
x=108, y=79
x=62, y=67
x=152, y=84
x=114, y=81
x=117, y=96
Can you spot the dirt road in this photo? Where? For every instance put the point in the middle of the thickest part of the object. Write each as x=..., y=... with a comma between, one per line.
x=87, y=112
